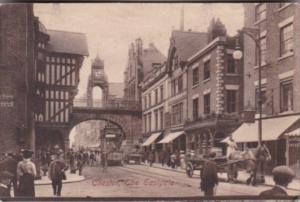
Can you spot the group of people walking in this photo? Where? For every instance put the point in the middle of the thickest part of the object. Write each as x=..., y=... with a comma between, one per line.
x=18, y=172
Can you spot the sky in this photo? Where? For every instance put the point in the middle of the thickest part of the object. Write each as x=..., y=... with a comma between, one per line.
x=111, y=27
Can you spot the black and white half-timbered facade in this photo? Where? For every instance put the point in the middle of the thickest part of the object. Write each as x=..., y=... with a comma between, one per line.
x=60, y=55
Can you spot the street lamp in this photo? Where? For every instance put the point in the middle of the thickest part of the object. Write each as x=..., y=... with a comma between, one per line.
x=254, y=33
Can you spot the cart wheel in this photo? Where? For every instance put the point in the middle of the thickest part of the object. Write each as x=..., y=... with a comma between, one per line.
x=189, y=170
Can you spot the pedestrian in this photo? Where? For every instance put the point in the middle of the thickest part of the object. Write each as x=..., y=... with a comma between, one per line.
x=173, y=160
x=56, y=173
x=231, y=147
x=282, y=176
x=92, y=158
x=182, y=160
x=151, y=158
x=79, y=158
x=26, y=172
x=209, y=176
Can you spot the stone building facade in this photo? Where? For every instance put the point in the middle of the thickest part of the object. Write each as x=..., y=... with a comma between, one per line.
x=17, y=79
x=279, y=35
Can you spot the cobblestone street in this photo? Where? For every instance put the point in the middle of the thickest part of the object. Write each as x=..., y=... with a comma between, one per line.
x=142, y=181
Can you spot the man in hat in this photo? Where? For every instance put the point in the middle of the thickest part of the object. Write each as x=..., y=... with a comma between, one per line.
x=209, y=176
x=282, y=176
x=26, y=172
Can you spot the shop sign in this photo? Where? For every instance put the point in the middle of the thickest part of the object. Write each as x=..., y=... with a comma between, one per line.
x=6, y=100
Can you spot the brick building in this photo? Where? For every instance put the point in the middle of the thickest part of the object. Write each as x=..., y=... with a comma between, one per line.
x=154, y=106
x=39, y=78
x=215, y=91
x=140, y=62
x=279, y=35
x=17, y=79
x=183, y=44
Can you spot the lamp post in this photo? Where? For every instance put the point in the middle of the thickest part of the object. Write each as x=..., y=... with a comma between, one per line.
x=254, y=33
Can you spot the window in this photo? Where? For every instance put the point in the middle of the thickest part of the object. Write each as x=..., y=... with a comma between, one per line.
x=145, y=102
x=173, y=87
x=156, y=96
x=175, y=62
x=180, y=84
x=195, y=108
x=260, y=12
x=263, y=98
x=161, y=114
x=149, y=98
x=177, y=114
x=263, y=51
x=207, y=103
x=161, y=93
x=286, y=96
x=145, y=123
x=231, y=101
x=206, y=70
x=230, y=64
x=286, y=39
x=149, y=122
x=156, y=119
x=195, y=76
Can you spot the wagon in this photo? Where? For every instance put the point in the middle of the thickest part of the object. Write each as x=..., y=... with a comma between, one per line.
x=223, y=164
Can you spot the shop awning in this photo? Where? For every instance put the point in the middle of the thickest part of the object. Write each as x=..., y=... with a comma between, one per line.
x=271, y=129
x=151, y=139
x=294, y=132
x=171, y=137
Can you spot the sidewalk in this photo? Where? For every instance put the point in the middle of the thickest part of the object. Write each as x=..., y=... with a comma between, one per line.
x=242, y=177
x=70, y=178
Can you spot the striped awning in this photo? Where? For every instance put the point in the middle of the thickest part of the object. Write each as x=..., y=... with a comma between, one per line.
x=151, y=139
x=170, y=137
x=272, y=129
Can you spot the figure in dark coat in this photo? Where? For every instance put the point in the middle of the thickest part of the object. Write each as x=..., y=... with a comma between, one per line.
x=56, y=174
x=282, y=176
x=26, y=171
x=209, y=176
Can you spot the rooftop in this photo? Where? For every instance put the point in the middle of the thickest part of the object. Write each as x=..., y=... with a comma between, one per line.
x=187, y=43
x=68, y=42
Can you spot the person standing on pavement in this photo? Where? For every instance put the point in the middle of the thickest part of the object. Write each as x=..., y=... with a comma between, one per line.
x=282, y=176
x=56, y=173
x=26, y=172
x=151, y=158
x=209, y=176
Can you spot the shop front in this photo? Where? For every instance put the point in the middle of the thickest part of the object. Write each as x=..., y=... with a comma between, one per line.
x=150, y=145
x=278, y=134
x=203, y=135
x=174, y=141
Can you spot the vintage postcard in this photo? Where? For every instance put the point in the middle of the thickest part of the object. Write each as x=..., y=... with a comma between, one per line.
x=149, y=101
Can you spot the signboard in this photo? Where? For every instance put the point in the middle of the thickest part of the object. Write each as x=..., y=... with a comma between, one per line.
x=110, y=135
x=7, y=98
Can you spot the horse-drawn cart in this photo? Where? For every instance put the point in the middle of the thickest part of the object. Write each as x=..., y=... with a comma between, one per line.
x=223, y=165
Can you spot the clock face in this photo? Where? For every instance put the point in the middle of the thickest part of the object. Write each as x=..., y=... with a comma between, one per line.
x=98, y=73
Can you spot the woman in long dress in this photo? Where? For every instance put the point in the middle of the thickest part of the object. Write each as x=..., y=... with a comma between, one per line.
x=26, y=171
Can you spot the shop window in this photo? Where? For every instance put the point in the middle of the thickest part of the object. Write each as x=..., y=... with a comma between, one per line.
x=286, y=96
x=286, y=39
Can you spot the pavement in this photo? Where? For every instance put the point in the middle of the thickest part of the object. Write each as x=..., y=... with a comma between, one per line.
x=71, y=177
x=242, y=176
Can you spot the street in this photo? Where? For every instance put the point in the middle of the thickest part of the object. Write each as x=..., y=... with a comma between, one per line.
x=142, y=181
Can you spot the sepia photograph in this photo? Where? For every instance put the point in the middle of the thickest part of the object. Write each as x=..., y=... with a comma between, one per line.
x=150, y=101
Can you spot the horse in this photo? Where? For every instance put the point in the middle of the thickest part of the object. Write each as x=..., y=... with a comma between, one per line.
x=251, y=160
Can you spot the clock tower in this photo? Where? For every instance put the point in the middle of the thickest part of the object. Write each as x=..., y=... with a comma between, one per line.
x=97, y=78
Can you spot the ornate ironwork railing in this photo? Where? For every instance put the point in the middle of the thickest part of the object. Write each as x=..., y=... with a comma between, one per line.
x=111, y=104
